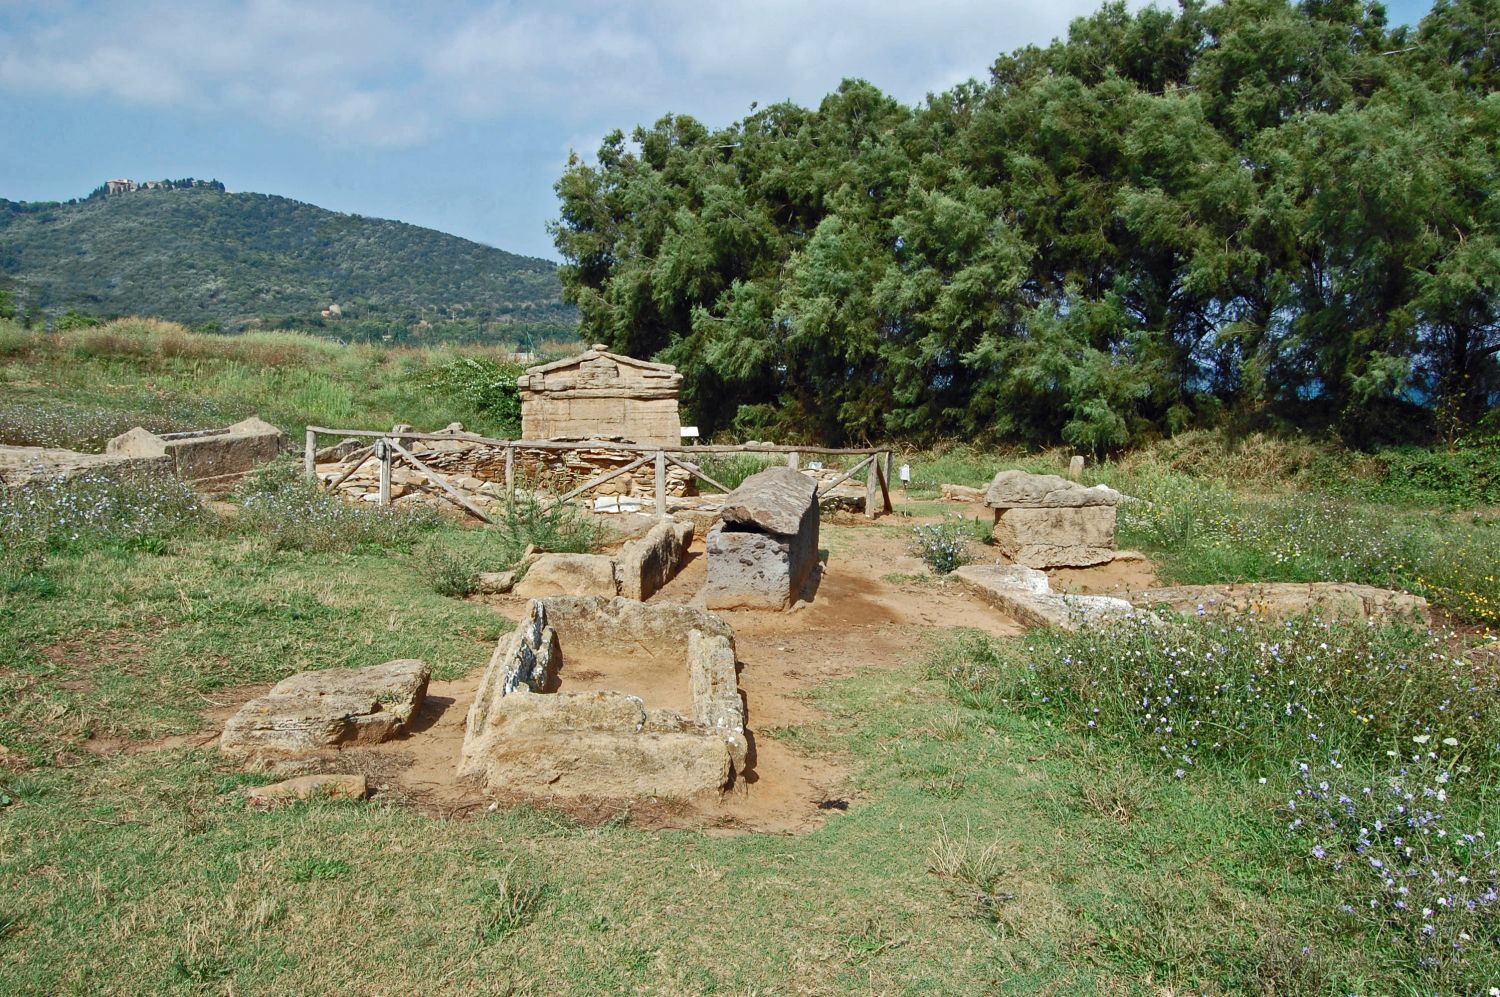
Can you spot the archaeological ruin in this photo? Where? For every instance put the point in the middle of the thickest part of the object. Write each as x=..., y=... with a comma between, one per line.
x=1045, y=521
x=598, y=392
x=765, y=545
x=608, y=697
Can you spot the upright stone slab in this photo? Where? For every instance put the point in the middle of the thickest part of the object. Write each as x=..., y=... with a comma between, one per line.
x=1045, y=521
x=766, y=546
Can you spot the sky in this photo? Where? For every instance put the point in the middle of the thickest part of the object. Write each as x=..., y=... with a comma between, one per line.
x=458, y=116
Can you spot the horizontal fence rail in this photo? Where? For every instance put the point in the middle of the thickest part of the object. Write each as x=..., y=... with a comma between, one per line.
x=389, y=446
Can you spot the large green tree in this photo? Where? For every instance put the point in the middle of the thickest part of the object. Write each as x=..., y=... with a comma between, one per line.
x=1250, y=210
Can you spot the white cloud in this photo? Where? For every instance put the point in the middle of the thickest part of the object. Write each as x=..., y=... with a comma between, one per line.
x=345, y=72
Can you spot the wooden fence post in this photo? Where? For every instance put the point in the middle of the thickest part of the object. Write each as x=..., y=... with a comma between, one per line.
x=383, y=453
x=872, y=488
x=510, y=475
x=793, y=460
x=310, y=454
x=661, y=484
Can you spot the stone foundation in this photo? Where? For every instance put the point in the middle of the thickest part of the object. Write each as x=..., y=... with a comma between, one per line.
x=527, y=736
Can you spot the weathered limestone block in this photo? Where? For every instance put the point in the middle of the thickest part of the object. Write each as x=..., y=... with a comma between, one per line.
x=1021, y=490
x=308, y=787
x=311, y=711
x=600, y=621
x=1074, y=537
x=206, y=456
x=776, y=500
x=1278, y=600
x=1026, y=594
x=18, y=465
x=568, y=574
x=748, y=571
x=962, y=493
x=643, y=566
x=716, y=694
x=762, y=553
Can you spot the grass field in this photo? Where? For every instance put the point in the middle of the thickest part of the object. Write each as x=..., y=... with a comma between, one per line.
x=1023, y=824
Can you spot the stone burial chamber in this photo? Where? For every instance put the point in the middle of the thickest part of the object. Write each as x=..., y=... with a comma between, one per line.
x=765, y=545
x=1044, y=521
x=608, y=698
x=211, y=459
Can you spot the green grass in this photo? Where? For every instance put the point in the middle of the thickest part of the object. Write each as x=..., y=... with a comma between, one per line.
x=80, y=388
x=996, y=843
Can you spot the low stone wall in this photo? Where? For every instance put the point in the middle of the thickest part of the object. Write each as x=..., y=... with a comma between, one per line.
x=524, y=738
x=19, y=465
x=637, y=572
x=1278, y=600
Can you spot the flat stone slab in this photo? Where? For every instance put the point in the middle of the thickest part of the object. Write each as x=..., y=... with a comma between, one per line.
x=18, y=465
x=1022, y=490
x=568, y=574
x=314, y=711
x=308, y=787
x=775, y=500
x=1026, y=595
x=1278, y=600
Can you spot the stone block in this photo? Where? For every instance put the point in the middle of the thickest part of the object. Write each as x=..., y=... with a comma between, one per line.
x=568, y=574
x=312, y=711
x=643, y=566
x=1074, y=537
x=1026, y=595
x=1021, y=490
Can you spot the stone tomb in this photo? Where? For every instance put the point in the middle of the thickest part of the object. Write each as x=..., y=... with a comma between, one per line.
x=601, y=395
x=1044, y=521
x=211, y=459
x=608, y=698
x=765, y=546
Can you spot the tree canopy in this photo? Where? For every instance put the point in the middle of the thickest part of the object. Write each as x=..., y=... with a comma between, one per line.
x=1248, y=211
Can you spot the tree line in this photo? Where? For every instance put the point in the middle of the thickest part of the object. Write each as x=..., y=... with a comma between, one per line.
x=1252, y=213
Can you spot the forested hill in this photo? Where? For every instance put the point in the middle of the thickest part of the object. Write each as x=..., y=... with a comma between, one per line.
x=202, y=256
x=1247, y=211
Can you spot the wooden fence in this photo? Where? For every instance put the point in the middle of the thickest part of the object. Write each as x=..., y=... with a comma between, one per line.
x=387, y=447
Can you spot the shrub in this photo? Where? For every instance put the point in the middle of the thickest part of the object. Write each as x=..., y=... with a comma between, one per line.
x=289, y=512
x=731, y=469
x=1203, y=691
x=944, y=546
x=1407, y=857
x=483, y=386
x=452, y=563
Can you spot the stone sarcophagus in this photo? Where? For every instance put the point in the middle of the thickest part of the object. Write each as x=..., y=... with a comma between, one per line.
x=601, y=395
